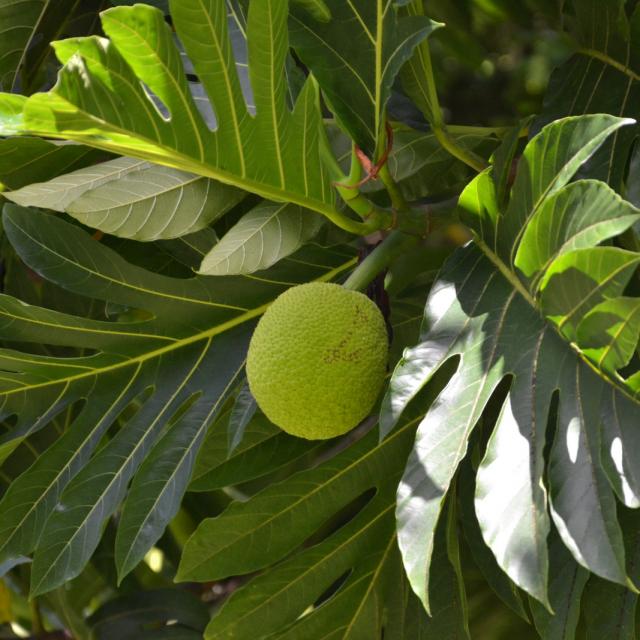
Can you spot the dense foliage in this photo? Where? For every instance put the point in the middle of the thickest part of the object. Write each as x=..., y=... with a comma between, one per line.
x=168, y=169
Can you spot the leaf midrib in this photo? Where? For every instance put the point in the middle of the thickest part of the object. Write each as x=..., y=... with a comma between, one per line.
x=204, y=425
x=255, y=231
x=596, y=290
x=117, y=475
x=115, y=332
x=615, y=337
x=27, y=45
x=325, y=559
x=169, y=156
x=136, y=198
x=361, y=460
x=227, y=82
x=608, y=60
x=372, y=583
x=188, y=108
x=69, y=463
x=179, y=344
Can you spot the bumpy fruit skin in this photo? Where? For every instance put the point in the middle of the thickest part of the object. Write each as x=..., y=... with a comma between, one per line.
x=317, y=360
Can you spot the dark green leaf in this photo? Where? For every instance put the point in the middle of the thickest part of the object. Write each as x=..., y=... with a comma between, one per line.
x=156, y=492
x=243, y=410
x=602, y=77
x=191, y=340
x=566, y=584
x=365, y=546
x=24, y=161
x=131, y=616
x=356, y=57
x=233, y=542
x=610, y=611
x=263, y=449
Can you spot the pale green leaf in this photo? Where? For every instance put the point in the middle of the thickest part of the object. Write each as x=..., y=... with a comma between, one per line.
x=578, y=281
x=266, y=234
x=609, y=333
x=154, y=203
x=556, y=228
x=57, y=194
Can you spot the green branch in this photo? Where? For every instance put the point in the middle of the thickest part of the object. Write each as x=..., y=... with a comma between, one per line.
x=422, y=88
x=448, y=142
x=451, y=145
x=398, y=200
x=393, y=246
x=374, y=218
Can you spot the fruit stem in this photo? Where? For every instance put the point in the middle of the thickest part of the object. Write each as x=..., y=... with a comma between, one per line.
x=394, y=245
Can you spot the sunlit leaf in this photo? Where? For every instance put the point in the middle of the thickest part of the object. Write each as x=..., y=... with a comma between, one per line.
x=476, y=313
x=261, y=237
x=275, y=154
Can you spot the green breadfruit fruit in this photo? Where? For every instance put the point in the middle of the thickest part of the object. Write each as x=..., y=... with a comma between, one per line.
x=317, y=360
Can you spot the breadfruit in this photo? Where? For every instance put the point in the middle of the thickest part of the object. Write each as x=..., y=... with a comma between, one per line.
x=317, y=360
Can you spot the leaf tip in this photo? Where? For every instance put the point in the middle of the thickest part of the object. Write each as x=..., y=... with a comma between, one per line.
x=631, y=586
